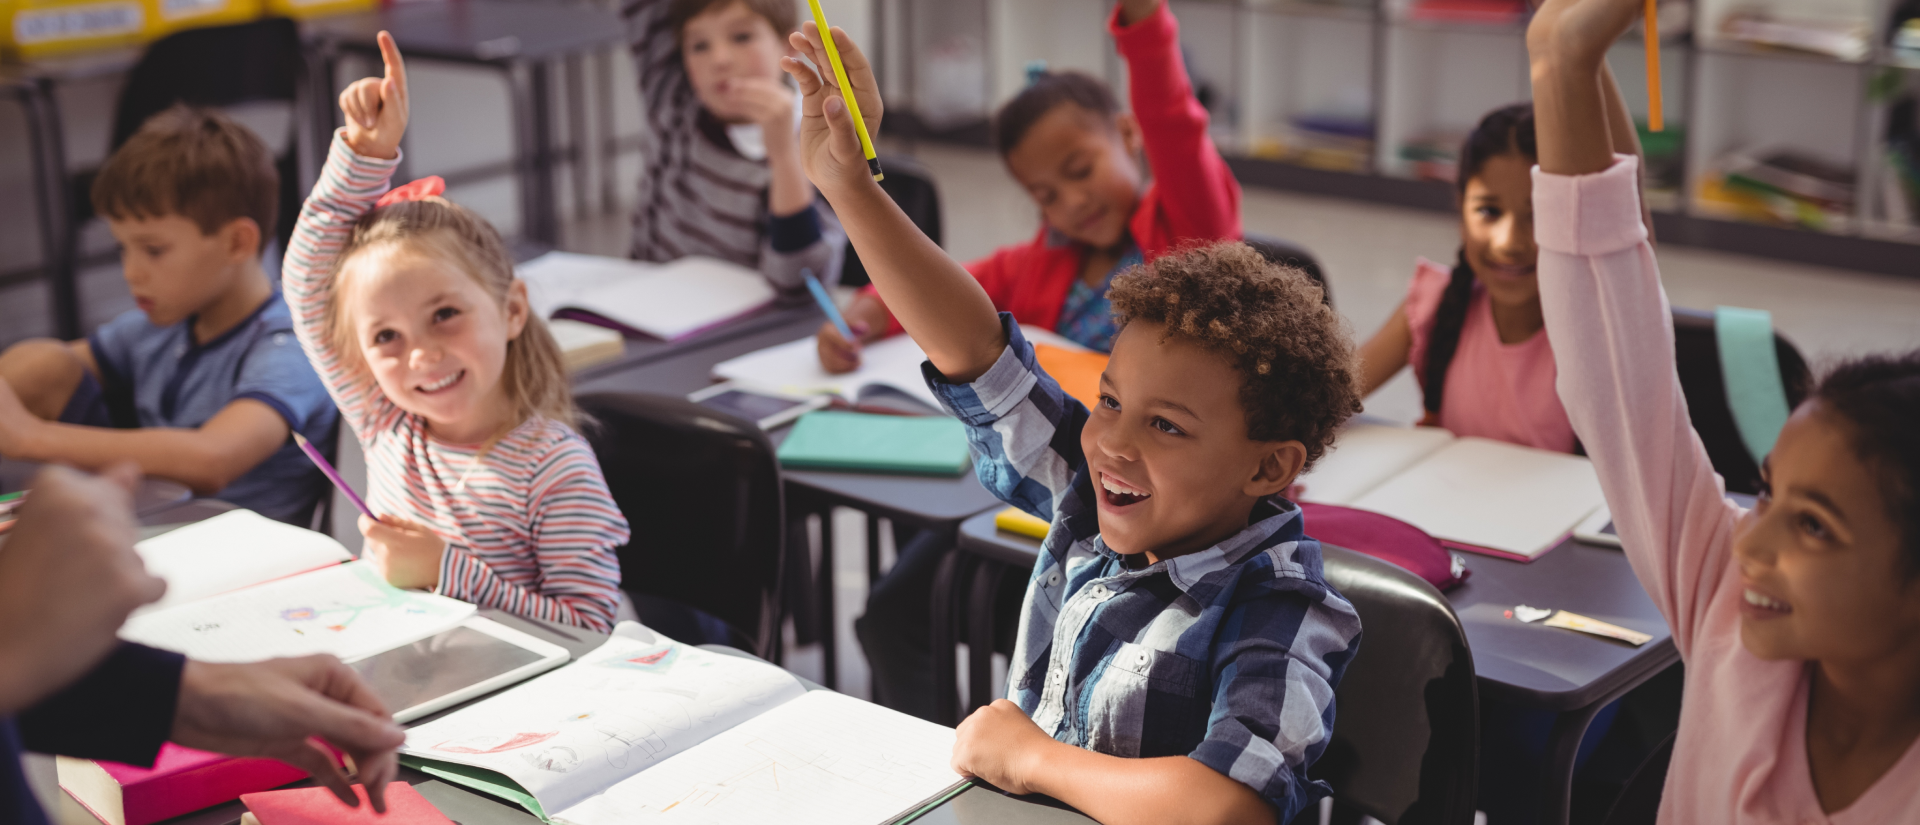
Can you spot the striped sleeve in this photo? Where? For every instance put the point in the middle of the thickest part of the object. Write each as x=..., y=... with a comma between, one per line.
x=575, y=527
x=348, y=187
x=1023, y=430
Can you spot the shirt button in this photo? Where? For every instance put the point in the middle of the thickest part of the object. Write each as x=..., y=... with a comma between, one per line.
x=1143, y=657
x=1099, y=590
x=1053, y=579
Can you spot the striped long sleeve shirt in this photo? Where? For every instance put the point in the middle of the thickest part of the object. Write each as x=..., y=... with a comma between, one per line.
x=1229, y=655
x=529, y=524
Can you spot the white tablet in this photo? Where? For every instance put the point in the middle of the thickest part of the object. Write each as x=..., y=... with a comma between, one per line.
x=770, y=410
x=1598, y=529
x=473, y=659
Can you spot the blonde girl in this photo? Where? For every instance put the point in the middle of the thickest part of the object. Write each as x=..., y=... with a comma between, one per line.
x=411, y=314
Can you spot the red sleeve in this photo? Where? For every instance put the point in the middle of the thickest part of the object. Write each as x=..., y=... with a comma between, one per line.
x=992, y=272
x=1200, y=197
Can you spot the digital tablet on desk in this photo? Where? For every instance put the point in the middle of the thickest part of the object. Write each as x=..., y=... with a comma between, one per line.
x=473, y=659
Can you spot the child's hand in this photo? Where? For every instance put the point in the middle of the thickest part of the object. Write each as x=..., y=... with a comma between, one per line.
x=837, y=354
x=1579, y=32
x=376, y=108
x=999, y=744
x=406, y=553
x=829, y=144
x=767, y=103
x=16, y=422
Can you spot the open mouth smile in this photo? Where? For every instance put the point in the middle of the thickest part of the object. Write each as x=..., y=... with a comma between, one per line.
x=1119, y=494
x=442, y=384
x=1756, y=601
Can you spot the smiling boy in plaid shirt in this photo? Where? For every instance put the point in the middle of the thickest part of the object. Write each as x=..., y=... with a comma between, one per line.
x=1179, y=645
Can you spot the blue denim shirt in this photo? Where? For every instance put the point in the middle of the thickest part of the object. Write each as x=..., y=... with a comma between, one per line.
x=1229, y=655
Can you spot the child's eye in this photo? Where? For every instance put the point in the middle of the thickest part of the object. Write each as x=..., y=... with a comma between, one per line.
x=444, y=313
x=1109, y=402
x=382, y=337
x=1491, y=213
x=1166, y=426
x=743, y=37
x=154, y=251
x=1814, y=527
x=1079, y=173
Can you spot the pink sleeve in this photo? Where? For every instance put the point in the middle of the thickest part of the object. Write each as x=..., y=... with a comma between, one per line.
x=1613, y=347
x=349, y=186
x=1201, y=196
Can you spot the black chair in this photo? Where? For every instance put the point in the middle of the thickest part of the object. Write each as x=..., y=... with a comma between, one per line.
x=1287, y=254
x=1639, y=801
x=912, y=187
x=1405, y=746
x=215, y=66
x=702, y=493
x=1697, y=355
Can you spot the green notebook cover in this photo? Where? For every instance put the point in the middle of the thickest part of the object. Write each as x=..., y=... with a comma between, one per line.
x=916, y=445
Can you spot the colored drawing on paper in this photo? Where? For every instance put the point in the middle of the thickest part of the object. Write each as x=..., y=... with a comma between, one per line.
x=658, y=659
x=299, y=614
x=558, y=759
x=493, y=743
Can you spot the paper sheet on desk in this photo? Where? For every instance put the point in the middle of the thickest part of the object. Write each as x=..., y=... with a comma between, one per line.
x=235, y=549
x=669, y=301
x=821, y=759
x=794, y=367
x=346, y=610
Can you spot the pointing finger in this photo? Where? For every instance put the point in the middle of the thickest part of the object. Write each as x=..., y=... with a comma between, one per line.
x=396, y=66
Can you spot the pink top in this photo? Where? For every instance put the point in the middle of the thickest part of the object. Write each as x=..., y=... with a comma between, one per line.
x=1494, y=390
x=1741, y=755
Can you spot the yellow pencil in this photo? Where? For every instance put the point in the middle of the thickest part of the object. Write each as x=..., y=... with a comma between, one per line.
x=1656, y=121
x=846, y=89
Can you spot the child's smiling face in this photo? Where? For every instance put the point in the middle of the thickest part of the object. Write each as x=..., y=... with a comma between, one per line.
x=1822, y=570
x=1081, y=172
x=1496, y=229
x=724, y=46
x=434, y=339
x=1168, y=450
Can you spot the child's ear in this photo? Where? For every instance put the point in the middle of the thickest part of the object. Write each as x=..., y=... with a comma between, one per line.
x=518, y=308
x=240, y=238
x=1279, y=465
x=1128, y=127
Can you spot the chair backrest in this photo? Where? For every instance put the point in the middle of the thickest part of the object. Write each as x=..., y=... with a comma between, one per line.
x=1697, y=356
x=701, y=491
x=1288, y=254
x=912, y=187
x=1639, y=802
x=218, y=66
x=1405, y=746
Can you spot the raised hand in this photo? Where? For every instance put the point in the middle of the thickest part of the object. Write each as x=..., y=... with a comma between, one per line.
x=68, y=579
x=1567, y=48
x=376, y=108
x=1579, y=32
x=829, y=145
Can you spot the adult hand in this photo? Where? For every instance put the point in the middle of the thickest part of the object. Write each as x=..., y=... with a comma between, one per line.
x=837, y=354
x=407, y=553
x=376, y=108
x=1000, y=745
x=68, y=579
x=829, y=144
x=278, y=707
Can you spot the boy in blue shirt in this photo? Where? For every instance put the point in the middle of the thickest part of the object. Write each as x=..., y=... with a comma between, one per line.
x=1179, y=644
x=204, y=381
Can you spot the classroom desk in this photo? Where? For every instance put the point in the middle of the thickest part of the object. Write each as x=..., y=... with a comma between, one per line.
x=153, y=496
x=1571, y=674
x=521, y=39
x=977, y=806
x=916, y=501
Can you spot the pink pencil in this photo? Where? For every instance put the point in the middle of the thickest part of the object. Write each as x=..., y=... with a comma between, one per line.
x=332, y=474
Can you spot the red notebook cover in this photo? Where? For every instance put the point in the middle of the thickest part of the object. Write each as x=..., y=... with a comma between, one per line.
x=317, y=806
x=182, y=780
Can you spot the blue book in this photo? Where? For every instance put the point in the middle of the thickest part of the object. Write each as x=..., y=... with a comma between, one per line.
x=913, y=445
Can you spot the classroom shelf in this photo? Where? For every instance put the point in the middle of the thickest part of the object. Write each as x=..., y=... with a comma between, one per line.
x=1322, y=97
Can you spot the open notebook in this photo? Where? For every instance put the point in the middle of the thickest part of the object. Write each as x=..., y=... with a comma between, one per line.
x=891, y=363
x=645, y=728
x=242, y=587
x=1472, y=493
x=668, y=301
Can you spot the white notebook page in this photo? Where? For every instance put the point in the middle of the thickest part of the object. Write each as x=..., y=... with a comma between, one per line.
x=1491, y=494
x=235, y=549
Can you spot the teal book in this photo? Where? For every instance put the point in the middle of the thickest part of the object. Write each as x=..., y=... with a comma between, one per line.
x=913, y=445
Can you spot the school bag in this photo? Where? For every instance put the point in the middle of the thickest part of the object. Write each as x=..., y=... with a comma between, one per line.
x=1387, y=539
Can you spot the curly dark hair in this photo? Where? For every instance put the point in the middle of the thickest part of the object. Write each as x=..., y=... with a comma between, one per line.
x=1270, y=321
x=1879, y=396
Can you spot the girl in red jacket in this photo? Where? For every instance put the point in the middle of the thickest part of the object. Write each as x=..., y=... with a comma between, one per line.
x=1066, y=141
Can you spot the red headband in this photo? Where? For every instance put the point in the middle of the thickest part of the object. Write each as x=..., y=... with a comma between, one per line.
x=428, y=187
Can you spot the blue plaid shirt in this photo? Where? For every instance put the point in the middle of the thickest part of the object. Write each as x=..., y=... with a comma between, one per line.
x=1229, y=655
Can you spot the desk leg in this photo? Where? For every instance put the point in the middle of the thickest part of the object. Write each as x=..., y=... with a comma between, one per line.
x=1563, y=748
x=50, y=188
x=946, y=698
x=980, y=626
x=828, y=622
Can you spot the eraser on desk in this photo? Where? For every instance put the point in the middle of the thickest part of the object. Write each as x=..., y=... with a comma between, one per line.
x=318, y=806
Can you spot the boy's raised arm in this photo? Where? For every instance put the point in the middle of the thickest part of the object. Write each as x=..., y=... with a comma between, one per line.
x=938, y=303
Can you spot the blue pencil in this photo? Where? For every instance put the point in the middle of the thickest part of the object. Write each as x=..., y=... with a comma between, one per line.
x=826, y=304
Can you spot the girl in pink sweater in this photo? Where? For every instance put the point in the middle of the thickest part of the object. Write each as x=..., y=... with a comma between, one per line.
x=1799, y=621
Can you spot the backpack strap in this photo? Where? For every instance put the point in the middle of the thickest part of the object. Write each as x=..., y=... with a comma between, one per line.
x=1750, y=372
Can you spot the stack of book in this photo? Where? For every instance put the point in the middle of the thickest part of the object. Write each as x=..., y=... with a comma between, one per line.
x=1840, y=39
x=1781, y=186
x=1340, y=143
